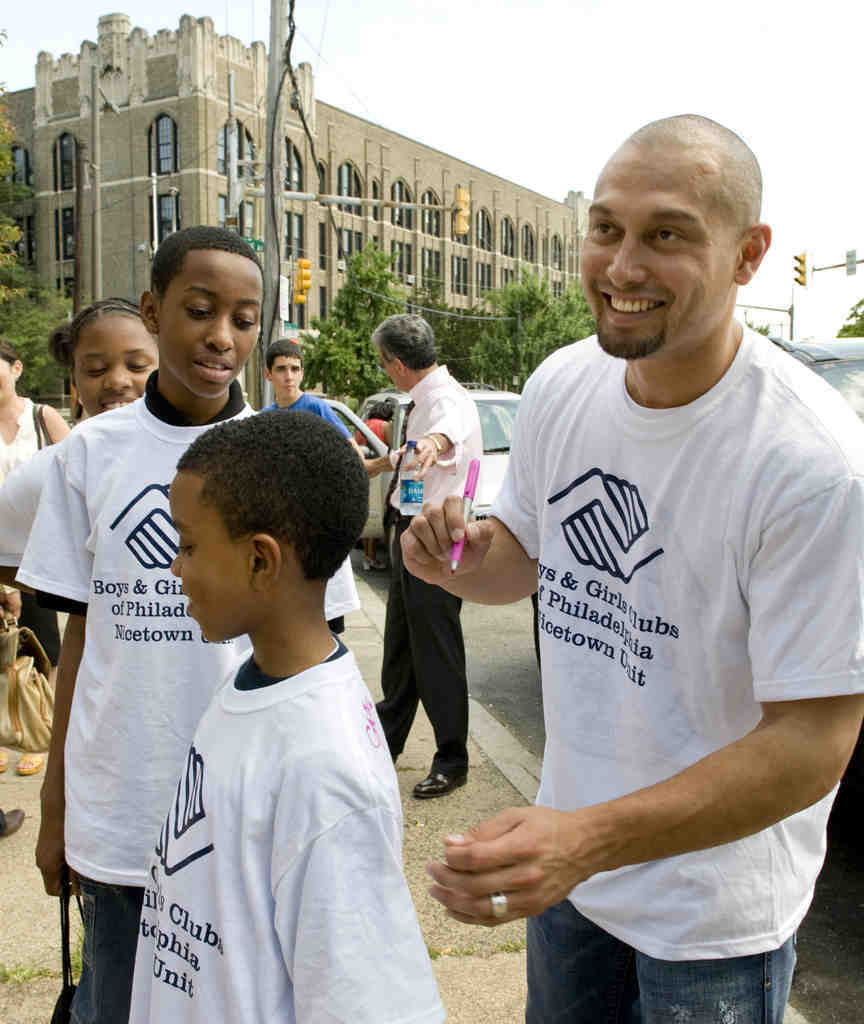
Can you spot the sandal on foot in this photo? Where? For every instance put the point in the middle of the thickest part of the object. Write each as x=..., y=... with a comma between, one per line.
x=4, y=760
x=30, y=764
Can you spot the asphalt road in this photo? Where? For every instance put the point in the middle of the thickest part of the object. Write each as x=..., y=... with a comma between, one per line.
x=829, y=981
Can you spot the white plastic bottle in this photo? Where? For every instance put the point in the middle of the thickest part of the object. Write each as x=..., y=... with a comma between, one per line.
x=410, y=490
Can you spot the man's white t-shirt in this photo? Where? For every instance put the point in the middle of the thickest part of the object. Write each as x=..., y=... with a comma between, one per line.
x=276, y=890
x=103, y=536
x=693, y=562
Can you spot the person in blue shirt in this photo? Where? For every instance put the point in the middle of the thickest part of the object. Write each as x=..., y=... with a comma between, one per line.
x=284, y=360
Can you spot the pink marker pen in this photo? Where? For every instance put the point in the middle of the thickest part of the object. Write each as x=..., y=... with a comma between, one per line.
x=467, y=502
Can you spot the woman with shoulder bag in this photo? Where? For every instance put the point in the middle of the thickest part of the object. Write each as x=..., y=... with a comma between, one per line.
x=24, y=429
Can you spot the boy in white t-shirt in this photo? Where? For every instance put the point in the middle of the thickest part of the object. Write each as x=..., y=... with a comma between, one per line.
x=276, y=890
x=132, y=689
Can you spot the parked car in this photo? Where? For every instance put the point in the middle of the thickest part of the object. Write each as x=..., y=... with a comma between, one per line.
x=497, y=412
x=841, y=363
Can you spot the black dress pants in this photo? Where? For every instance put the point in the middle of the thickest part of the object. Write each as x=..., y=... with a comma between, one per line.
x=424, y=660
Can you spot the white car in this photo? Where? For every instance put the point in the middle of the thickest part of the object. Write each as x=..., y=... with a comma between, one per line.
x=497, y=412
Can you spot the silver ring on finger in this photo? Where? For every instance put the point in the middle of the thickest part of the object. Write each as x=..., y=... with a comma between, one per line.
x=499, y=904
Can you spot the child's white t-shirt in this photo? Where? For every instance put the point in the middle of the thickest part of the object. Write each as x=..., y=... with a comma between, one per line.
x=103, y=536
x=693, y=562
x=19, y=500
x=276, y=890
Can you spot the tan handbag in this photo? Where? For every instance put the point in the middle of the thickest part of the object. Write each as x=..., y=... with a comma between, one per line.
x=26, y=696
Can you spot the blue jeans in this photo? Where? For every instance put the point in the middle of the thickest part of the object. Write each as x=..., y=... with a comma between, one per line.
x=579, y=974
x=111, y=917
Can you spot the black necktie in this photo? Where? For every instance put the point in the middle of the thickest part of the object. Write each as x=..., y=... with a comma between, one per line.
x=394, y=480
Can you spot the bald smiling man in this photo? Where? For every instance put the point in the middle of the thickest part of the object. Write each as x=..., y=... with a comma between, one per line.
x=687, y=502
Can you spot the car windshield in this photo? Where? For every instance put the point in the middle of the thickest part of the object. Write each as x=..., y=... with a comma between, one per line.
x=496, y=422
x=848, y=378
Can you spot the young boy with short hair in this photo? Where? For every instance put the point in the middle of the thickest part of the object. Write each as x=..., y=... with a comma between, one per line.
x=132, y=687
x=276, y=888
x=284, y=370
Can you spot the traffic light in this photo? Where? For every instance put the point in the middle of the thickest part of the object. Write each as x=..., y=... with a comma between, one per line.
x=302, y=280
x=801, y=269
x=462, y=217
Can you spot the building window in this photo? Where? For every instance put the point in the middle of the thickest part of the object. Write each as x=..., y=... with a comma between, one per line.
x=507, y=276
x=168, y=207
x=376, y=194
x=529, y=246
x=352, y=241
x=557, y=253
x=402, y=218
x=484, y=237
x=484, y=277
x=557, y=289
x=348, y=184
x=222, y=151
x=403, y=259
x=248, y=152
x=293, y=168
x=221, y=211
x=65, y=156
x=162, y=145
x=431, y=266
x=247, y=218
x=66, y=233
x=22, y=172
x=508, y=238
x=430, y=219
x=460, y=275
x=322, y=245
x=322, y=302
x=294, y=235
x=26, y=246
x=322, y=177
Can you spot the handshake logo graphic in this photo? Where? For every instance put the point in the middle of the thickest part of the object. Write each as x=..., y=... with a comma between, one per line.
x=606, y=526
x=152, y=538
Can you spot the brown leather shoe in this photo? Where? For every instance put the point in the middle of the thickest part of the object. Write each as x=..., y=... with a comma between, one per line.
x=438, y=784
x=14, y=820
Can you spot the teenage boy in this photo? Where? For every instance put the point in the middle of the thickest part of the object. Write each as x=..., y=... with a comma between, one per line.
x=276, y=890
x=132, y=690
x=284, y=361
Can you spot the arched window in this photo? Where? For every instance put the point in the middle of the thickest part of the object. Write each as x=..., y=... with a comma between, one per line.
x=376, y=194
x=557, y=253
x=65, y=158
x=322, y=177
x=484, y=238
x=529, y=246
x=401, y=217
x=293, y=168
x=162, y=145
x=508, y=238
x=348, y=184
x=430, y=220
x=22, y=172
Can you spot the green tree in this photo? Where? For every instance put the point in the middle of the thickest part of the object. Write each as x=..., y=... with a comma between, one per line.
x=9, y=233
x=854, y=326
x=537, y=323
x=456, y=334
x=340, y=357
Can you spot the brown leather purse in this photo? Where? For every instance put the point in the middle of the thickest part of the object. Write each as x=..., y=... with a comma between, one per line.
x=26, y=695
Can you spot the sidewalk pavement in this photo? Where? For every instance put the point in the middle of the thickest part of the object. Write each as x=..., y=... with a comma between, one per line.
x=480, y=971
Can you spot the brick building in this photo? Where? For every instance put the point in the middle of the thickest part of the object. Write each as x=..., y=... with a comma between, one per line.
x=164, y=166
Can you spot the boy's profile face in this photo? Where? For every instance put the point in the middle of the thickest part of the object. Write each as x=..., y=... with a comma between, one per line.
x=286, y=373
x=214, y=567
x=206, y=324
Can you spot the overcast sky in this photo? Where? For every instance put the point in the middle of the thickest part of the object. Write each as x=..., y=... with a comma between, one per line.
x=543, y=96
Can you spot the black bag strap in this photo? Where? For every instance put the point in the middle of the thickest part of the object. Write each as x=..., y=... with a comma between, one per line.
x=43, y=438
x=65, y=893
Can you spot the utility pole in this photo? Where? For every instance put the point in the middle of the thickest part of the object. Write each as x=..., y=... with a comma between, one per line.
x=274, y=187
x=232, y=219
x=79, y=213
x=154, y=205
x=95, y=188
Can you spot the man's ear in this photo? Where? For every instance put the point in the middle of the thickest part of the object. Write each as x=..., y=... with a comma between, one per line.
x=267, y=373
x=754, y=245
x=265, y=562
x=150, y=313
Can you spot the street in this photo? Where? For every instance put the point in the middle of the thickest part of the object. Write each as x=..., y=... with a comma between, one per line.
x=829, y=981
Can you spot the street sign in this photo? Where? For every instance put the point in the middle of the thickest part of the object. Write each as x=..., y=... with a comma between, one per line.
x=284, y=297
x=851, y=262
x=256, y=243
